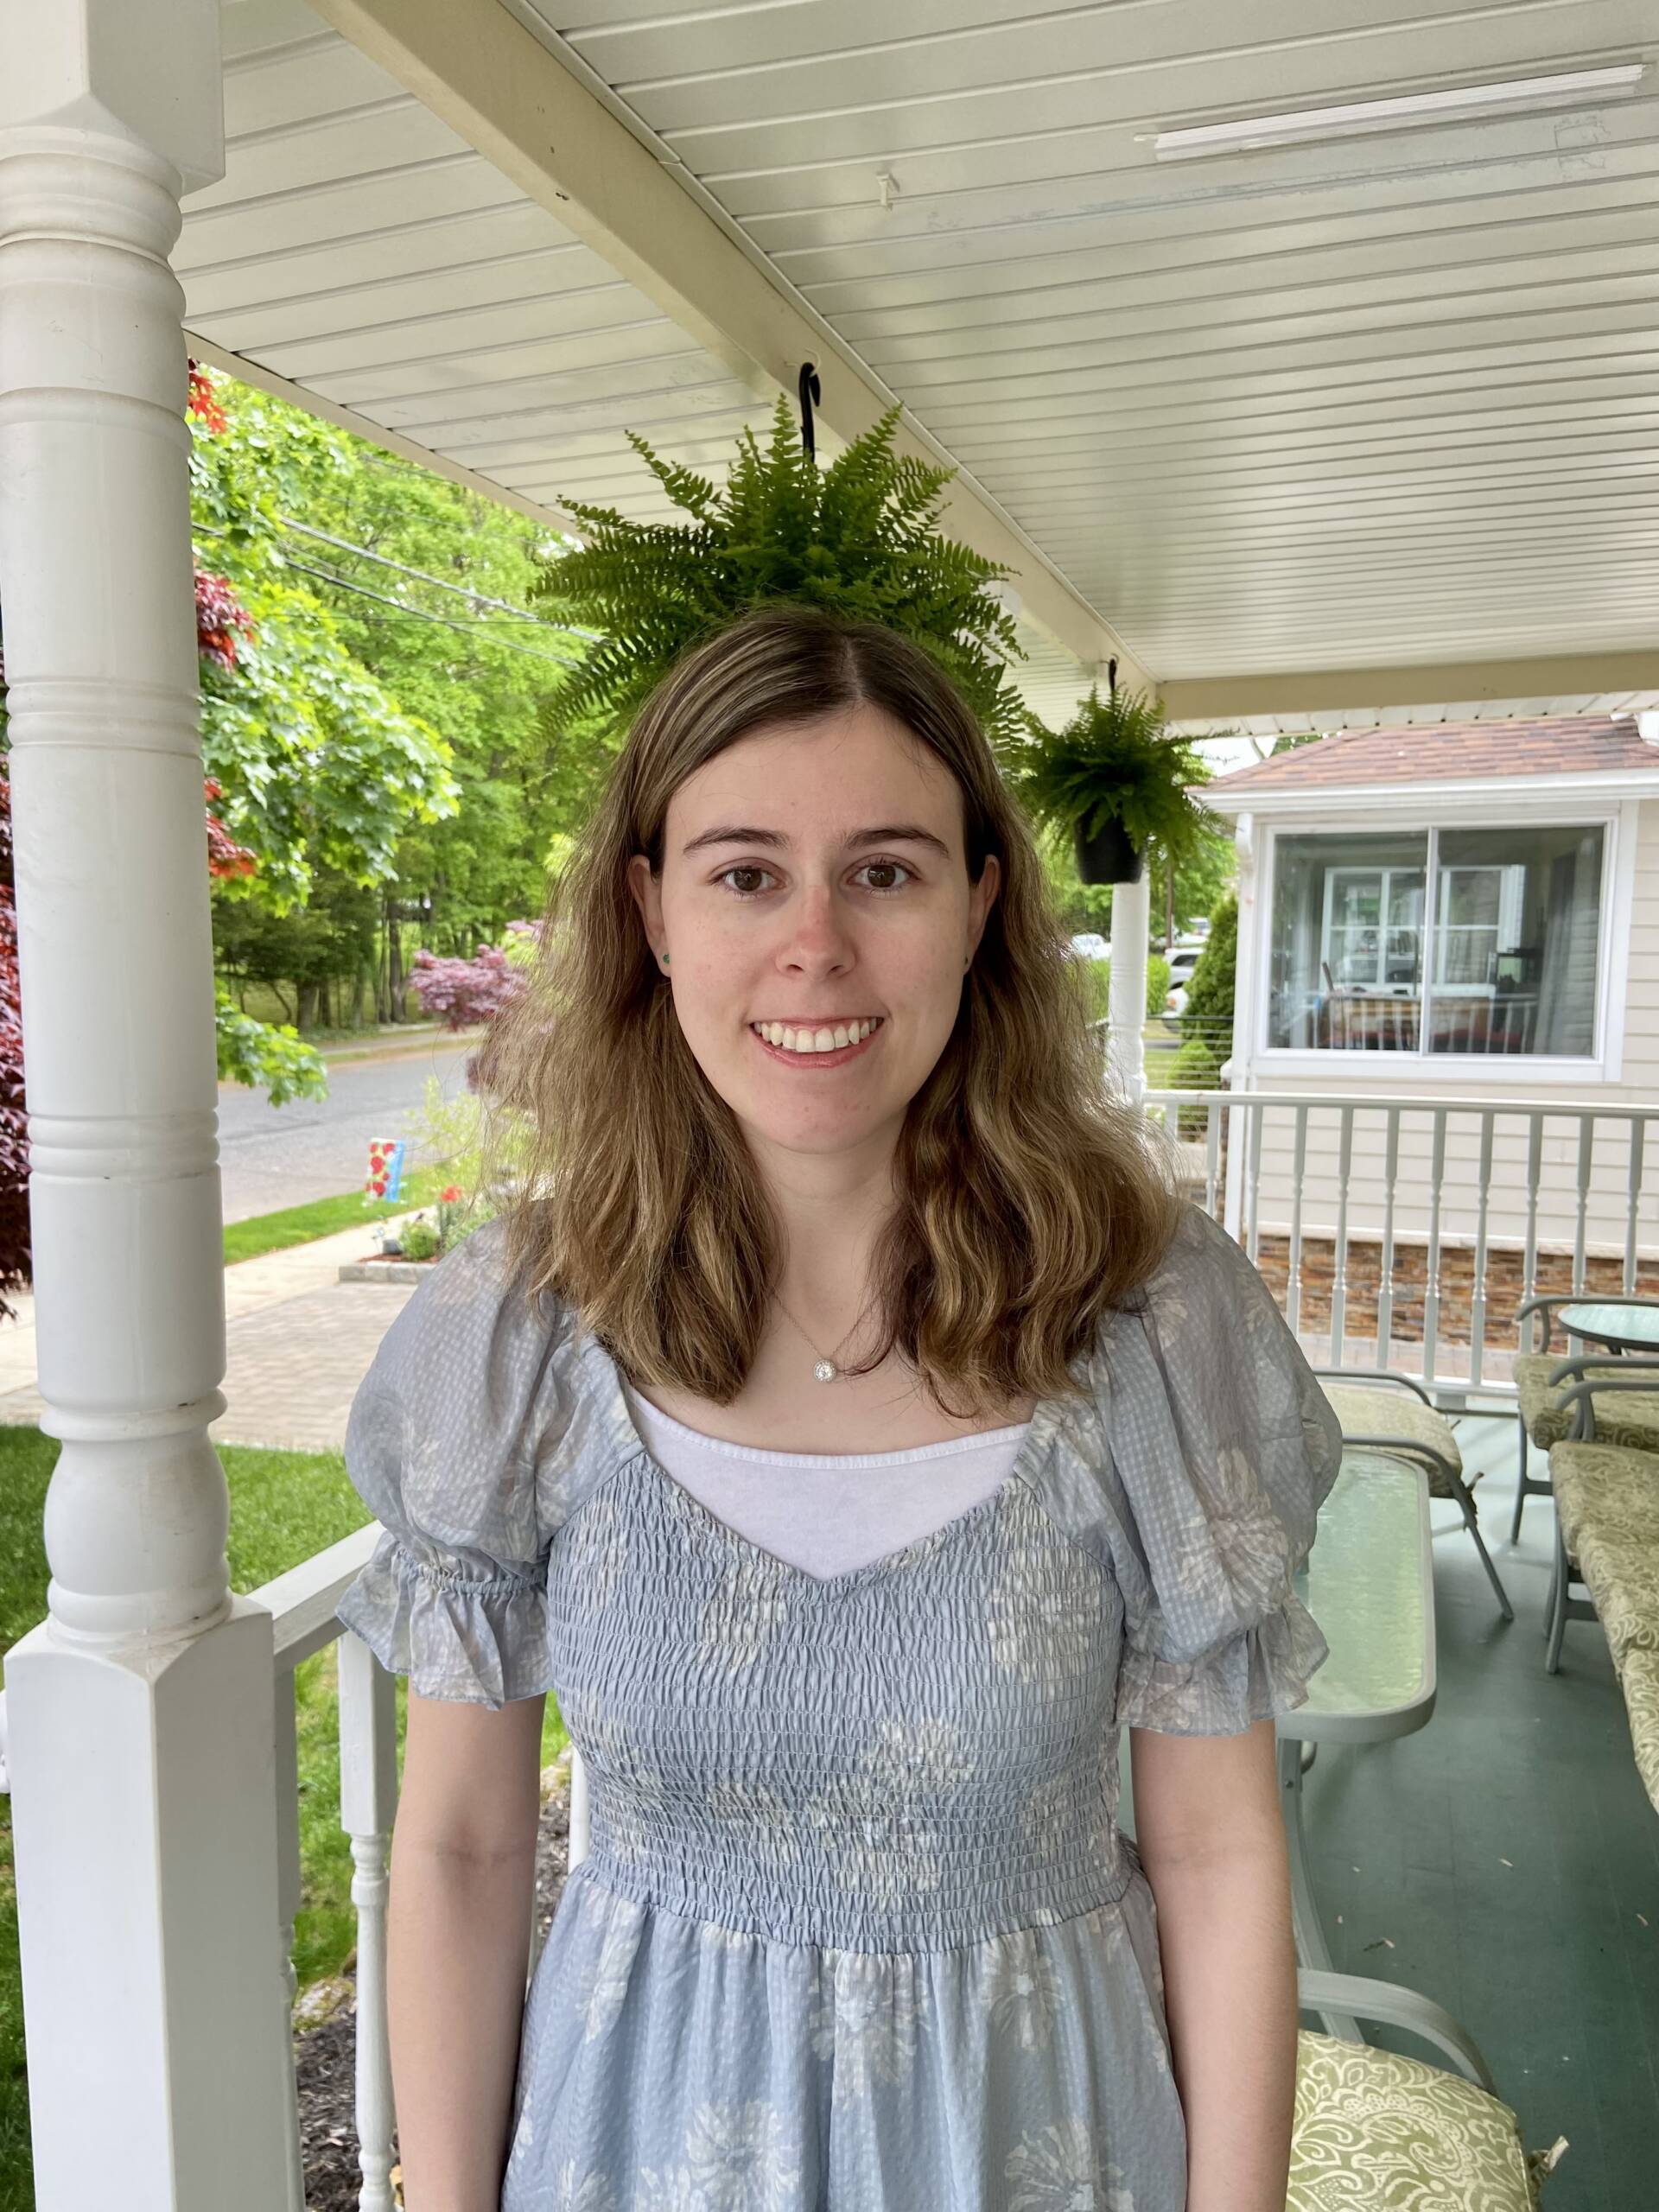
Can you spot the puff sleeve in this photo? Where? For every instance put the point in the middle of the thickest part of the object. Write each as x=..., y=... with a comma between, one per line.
x=448, y=1442
x=1223, y=1447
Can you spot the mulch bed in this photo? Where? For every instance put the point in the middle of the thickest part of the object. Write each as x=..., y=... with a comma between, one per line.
x=325, y=2057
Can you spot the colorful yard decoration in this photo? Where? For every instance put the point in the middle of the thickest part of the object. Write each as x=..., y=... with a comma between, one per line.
x=386, y=1177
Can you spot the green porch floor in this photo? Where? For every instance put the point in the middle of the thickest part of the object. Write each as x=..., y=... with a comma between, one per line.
x=1505, y=1860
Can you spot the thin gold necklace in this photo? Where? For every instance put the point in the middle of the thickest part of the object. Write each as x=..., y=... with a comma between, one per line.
x=826, y=1369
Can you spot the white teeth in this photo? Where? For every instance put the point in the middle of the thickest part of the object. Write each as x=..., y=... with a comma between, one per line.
x=814, y=1040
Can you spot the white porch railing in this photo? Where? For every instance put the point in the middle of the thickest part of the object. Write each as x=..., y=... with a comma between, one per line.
x=1477, y=1176
x=301, y=1604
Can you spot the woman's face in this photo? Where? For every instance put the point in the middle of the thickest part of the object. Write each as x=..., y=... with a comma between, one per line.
x=815, y=877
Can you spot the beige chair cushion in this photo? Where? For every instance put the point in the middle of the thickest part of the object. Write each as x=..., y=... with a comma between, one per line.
x=1394, y=2135
x=1377, y=1410
x=1626, y=1417
x=1607, y=1498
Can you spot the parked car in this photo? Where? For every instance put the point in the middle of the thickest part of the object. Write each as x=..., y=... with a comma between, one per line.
x=1182, y=959
x=1089, y=944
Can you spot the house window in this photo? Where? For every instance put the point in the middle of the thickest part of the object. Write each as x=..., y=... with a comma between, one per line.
x=1502, y=957
x=1516, y=930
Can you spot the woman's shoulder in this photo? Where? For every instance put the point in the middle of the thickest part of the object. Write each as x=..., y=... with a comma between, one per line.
x=474, y=1366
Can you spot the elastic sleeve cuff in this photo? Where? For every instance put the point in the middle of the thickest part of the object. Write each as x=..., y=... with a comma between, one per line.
x=472, y=1640
x=1263, y=1670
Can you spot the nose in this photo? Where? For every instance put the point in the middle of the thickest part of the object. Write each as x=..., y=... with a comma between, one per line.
x=816, y=939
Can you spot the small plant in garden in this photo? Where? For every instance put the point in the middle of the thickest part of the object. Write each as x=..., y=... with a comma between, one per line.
x=452, y=1201
x=418, y=1239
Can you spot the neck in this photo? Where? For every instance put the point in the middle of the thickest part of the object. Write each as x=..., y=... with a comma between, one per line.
x=829, y=1225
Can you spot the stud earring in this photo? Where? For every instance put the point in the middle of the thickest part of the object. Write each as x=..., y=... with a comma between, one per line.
x=664, y=960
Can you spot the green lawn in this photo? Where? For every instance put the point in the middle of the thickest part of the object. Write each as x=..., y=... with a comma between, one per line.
x=284, y=1507
x=275, y=1232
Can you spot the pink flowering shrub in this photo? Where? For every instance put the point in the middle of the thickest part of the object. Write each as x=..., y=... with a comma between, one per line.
x=466, y=992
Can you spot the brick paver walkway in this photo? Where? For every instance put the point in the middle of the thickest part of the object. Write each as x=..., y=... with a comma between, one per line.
x=298, y=1340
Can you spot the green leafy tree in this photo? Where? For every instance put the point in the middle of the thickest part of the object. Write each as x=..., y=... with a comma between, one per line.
x=1210, y=994
x=860, y=538
x=319, y=764
x=429, y=585
x=1207, y=1017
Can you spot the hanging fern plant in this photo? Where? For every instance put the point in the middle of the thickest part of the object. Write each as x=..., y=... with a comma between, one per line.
x=1115, y=761
x=859, y=538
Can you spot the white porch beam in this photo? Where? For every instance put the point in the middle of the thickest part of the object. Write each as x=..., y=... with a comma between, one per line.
x=507, y=93
x=1322, y=696
x=141, y=1745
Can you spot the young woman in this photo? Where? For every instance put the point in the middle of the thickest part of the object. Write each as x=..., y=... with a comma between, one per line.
x=850, y=1427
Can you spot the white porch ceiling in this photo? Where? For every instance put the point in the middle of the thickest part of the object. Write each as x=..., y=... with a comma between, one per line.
x=1292, y=423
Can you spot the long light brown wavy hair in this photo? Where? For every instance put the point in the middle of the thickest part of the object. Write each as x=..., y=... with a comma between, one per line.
x=1029, y=1202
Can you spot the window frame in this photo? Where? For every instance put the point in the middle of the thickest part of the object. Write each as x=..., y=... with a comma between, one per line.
x=1616, y=819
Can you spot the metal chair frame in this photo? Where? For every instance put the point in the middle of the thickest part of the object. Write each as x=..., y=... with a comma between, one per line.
x=1562, y=1606
x=1528, y=1485
x=1412, y=1447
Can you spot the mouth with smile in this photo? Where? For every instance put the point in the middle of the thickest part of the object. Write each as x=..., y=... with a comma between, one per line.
x=827, y=1044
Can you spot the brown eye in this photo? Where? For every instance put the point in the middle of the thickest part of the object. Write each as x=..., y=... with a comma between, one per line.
x=742, y=869
x=887, y=890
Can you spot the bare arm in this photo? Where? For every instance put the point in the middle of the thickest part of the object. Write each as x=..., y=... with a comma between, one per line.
x=463, y=1872
x=1212, y=1838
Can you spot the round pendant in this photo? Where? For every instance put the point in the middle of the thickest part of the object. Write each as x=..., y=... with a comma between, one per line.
x=825, y=1370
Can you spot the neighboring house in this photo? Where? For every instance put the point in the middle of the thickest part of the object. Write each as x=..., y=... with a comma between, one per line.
x=1465, y=914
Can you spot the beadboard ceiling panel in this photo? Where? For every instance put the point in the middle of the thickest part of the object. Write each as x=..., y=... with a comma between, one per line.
x=1383, y=399
x=1381, y=402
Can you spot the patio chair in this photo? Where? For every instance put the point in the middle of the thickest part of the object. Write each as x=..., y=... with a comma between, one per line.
x=1375, y=2128
x=1606, y=1535
x=1542, y=1417
x=1368, y=1403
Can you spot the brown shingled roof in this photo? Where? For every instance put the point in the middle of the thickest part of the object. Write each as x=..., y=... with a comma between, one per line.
x=1429, y=751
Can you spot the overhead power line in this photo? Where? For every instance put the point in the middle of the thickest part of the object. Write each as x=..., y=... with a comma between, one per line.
x=440, y=583
x=423, y=614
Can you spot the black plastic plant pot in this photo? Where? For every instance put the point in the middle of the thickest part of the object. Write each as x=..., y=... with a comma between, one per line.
x=1108, y=856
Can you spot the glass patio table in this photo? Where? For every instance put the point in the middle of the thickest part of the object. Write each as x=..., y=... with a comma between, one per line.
x=1370, y=1584
x=1613, y=1322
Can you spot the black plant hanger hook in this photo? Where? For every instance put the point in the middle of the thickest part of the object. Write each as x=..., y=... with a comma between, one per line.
x=1111, y=678
x=811, y=392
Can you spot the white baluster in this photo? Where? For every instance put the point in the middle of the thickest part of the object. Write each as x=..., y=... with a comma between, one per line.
x=1385, y=1264
x=1339, y=1261
x=1586, y=1148
x=1639, y=1129
x=1478, y=1302
x=290, y=1896
x=1299, y=1175
x=368, y=1807
x=1432, y=1267
x=1529, y=1255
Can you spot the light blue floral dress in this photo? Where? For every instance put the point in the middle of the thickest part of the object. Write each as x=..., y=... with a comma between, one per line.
x=856, y=1928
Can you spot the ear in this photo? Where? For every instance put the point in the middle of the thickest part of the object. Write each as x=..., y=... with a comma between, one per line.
x=647, y=891
x=980, y=899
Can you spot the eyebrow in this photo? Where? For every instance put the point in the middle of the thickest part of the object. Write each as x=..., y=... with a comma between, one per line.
x=893, y=833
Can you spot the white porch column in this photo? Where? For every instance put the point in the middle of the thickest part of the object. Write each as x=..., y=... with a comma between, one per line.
x=1126, y=1003
x=1239, y=1068
x=141, y=1743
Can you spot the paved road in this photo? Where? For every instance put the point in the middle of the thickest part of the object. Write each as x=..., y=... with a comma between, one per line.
x=274, y=1156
